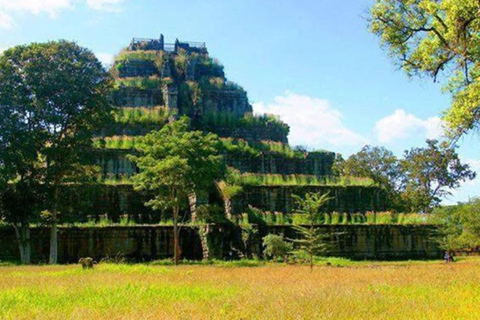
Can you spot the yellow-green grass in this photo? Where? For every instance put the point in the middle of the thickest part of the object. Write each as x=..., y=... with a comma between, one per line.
x=419, y=290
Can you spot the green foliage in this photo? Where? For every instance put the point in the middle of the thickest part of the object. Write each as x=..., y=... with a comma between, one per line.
x=54, y=99
x=227, y=192
x=335, y=217
x=212, y=120
x=144, y=83
x=280, y=148
x=459, y=225
x=312, y=241
x=257, y=179
x=430, y=174
x=436, y=38
x=181, y=61
x=174, y=163
x=117, y=142
x=195, y=154
x=238, y=146
x=151, y=55
x=209, y=67
x=142, y=115
x=276, y=247
x=378, y=164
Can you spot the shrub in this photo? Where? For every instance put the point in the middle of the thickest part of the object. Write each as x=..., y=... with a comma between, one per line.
x=276, y=247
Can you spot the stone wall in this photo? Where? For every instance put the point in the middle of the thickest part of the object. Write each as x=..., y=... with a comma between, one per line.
x=116, y=200
x=232, y=101
x=144, y=243
x=136, y=97
x=349, y=199
x=319, y=164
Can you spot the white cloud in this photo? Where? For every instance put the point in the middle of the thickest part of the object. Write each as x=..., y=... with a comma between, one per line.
x=9, y=8
x=312, y=121
x=6, y=22
x=401, y=125
x=51, y=7
x=105, y=58
x=105, y=5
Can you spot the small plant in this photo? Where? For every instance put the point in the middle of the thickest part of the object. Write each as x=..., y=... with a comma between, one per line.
x=384, y=218
x=326, y=218
x=370, y=217
x=335, y=218
x=345, y=218
x=312, y=241
x=276, y=247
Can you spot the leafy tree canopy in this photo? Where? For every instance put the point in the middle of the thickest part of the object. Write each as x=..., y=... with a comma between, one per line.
x=53, y=99
x=175, y=162
x=434, y=38
x=430, y=174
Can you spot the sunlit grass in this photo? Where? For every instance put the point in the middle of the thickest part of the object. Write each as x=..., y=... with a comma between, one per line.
x=357, y=290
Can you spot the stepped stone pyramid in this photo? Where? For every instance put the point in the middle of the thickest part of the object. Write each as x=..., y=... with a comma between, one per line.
x=156, y=82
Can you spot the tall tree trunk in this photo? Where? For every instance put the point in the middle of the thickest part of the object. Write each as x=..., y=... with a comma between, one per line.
x=53, y=259
x=228, y=208
x=192, y=201
x=53, y=244
x=22, y=233
x=176, y=236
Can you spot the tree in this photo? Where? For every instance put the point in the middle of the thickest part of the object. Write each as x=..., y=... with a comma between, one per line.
x=19, y=169
x=56, y=96
x=227, y=191
x=380, y=165
x=459, y=225
x=430, y=174
x=173, y=163
x=312, y=241
x=436, y=38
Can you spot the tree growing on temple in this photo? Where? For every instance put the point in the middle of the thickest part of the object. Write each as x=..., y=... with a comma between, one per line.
x=439, y=39
x=55, y=97
x=173, y=163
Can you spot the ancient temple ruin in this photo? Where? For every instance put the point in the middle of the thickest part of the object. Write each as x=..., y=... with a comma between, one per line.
x=155, y=81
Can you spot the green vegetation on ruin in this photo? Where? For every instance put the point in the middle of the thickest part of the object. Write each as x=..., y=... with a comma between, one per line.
x=249, y=120
x=123, y=142
x=142, y=115
x=256, y=216
x=257, y=179
x=126, y=54
x=144, y=83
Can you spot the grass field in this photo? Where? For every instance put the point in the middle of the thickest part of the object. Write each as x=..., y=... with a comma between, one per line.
x=365, y=290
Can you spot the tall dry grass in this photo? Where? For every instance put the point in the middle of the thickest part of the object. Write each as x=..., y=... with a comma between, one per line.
x=381, y=291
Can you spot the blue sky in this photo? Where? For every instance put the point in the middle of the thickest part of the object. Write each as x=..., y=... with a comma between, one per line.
x=312, y=62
